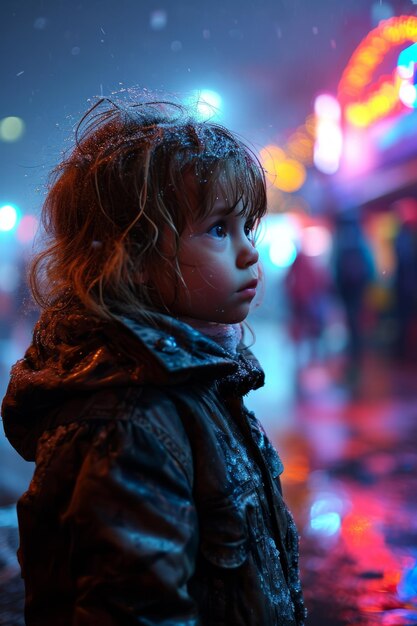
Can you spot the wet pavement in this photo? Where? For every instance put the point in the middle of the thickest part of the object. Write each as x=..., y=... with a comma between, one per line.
x=351, y=480
x=348, y=439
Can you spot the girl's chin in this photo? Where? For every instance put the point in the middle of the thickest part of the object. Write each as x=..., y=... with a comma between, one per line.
x=233, y=315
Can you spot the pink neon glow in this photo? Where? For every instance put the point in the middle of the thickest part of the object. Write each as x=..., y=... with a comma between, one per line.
x=316, y=240
x=357, y=153
x=27, y=228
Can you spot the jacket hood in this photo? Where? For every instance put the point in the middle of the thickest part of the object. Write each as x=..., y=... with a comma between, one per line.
x=73, y=353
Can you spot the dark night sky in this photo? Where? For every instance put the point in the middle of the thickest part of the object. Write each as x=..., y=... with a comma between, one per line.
x=268, y=59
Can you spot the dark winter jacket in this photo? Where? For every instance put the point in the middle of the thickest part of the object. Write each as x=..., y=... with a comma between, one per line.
x=156, y=497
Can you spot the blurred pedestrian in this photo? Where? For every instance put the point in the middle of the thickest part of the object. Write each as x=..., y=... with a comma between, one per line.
x=405, y=278
x=306, y=287
x=354, y=270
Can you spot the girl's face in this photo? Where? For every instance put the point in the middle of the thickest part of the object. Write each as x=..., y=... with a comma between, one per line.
x=219, y=264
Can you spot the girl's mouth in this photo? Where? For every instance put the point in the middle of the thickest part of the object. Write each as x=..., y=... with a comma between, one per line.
x=249, y=290
x=249, y=286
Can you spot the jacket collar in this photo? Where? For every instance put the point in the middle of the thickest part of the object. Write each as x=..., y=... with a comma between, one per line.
x=183, y=352
x=176, y=346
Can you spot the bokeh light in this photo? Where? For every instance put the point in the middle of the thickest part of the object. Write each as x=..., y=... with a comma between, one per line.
x=208, y=104
x=316, y=240
x=329, y=139
x=11, y=128
x=326, y=513
x=300, y=146
x=280, y=237
x=271, y=155
x=408, y=95
x=327, y=106
x=40, y=23
x=283, y=251
x=8, y=217
x=158, y=19
x=291, y=175
x=284, y=173
x=326, y=523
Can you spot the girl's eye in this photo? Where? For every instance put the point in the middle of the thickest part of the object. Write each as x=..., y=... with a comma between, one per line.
x=249, y=228
x=218, y=231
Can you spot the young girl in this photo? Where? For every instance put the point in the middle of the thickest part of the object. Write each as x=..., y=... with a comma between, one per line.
x=156, y=496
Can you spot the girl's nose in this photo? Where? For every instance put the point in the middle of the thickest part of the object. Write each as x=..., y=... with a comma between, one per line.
x=248, y=254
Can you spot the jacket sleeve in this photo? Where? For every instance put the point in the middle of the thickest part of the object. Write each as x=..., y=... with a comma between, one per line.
x=134, y=530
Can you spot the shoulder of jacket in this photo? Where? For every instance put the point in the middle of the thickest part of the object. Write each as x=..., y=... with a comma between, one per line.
x=145, y=408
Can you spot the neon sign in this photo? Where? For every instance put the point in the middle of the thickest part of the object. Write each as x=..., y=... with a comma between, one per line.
x=365, y=100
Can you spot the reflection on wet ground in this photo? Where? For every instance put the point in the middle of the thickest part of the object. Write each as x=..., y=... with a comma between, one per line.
x=351, y=480
x=350, y=452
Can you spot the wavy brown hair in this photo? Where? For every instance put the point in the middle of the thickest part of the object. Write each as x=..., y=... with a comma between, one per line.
x=125, y=183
